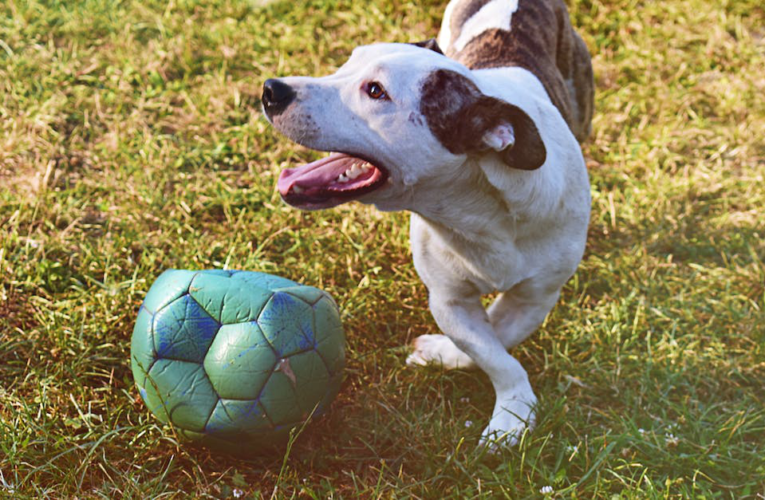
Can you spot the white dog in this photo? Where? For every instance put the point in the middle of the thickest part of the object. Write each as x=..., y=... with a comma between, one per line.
x=481, y=146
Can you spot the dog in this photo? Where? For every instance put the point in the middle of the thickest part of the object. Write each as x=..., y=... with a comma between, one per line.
x=480, y=142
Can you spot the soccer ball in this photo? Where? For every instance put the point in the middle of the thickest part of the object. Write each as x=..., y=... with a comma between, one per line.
x=235, y=359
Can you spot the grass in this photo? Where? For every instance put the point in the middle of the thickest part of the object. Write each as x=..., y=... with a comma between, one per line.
x=131, y=141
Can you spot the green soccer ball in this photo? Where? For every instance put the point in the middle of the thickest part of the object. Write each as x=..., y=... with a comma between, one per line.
x=235, y=359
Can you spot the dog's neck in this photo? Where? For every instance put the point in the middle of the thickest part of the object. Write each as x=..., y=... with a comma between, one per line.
x=478, y=213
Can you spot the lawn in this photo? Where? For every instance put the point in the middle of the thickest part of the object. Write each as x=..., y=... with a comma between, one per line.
x=131, y=141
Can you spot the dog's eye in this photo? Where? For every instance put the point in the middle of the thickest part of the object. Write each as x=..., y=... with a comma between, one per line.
x=376, y=91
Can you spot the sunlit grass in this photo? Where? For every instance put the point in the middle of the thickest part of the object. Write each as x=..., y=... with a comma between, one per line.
x=131, y=141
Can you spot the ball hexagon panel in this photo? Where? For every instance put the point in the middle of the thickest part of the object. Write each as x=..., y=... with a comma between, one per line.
x=229, y=300
x=287, y=323
x=263, y=280
x=297, y=385
x=239, y=361
x=226, y=273
x=330, y=340
x=311, y=379
x=279, y=398
x=307, y=294
x=234, y=418
x=180, y=392
x=142, y=353
x=170, y=285
x=333, y=389
x=183, y=330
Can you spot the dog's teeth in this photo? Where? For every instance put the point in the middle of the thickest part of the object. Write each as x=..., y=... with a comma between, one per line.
x=297, y=189
x=355, y=171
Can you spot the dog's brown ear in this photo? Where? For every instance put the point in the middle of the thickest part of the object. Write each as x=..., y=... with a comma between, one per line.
x=429, y=44
x=466, y=121
x=508, y=130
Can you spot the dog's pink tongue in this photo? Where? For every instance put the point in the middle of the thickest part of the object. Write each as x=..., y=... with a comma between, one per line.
x=315, y=174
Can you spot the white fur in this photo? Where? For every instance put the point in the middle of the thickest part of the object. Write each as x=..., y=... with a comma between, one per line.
x=495, y=14
x=438, y=349
x=445, y=35
x=477, y=225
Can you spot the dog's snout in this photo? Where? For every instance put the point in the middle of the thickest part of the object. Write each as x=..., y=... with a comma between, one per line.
x=276, y=96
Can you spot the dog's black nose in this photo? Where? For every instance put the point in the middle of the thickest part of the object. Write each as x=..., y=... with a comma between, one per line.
x=276, y=96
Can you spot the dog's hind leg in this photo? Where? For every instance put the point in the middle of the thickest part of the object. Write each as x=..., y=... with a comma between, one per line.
x=517, y=313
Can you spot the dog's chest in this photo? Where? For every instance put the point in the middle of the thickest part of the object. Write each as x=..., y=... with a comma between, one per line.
x=446, y=262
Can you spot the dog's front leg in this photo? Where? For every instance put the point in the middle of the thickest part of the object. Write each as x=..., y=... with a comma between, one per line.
x=464, y=320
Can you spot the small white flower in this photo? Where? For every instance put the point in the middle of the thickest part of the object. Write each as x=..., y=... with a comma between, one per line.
x=237, y=493
x=641, y=431
x=464, y=400
x=546, y=490
x=670, y=439
x=468, y=423
x=571, y=449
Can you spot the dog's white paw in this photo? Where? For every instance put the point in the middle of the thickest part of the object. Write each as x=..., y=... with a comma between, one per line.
x=512, y=416
x=440, y=350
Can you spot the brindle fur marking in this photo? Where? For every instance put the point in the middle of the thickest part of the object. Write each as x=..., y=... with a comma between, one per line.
x=541, y=40
x=462, y=12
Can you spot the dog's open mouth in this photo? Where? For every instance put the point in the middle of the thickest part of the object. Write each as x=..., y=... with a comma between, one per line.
x=330, y=181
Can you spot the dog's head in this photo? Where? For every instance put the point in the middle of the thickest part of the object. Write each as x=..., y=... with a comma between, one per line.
x=394, y=116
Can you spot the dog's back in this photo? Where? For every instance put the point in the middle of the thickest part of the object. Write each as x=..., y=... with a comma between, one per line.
x=533, y=34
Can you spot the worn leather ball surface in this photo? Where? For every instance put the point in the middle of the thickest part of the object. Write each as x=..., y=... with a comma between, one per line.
x=236, y=359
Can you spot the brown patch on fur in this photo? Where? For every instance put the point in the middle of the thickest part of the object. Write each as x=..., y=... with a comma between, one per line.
x=541, y=40
x=459, y=115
